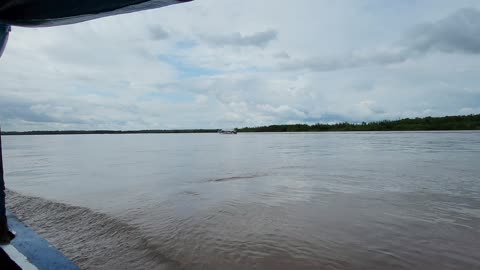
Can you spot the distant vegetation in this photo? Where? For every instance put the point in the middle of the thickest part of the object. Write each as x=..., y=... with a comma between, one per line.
x=468, y=122
x=79, y=132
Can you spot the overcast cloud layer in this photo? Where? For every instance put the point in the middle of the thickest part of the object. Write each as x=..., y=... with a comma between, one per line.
x=232, y=63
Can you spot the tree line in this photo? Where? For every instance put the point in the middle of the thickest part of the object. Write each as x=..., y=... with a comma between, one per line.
x=465, y=122
x=80, y=132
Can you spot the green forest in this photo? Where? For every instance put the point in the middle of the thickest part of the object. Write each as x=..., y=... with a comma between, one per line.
x=467, y=122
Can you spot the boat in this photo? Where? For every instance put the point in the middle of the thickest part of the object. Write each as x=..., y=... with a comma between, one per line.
x=28, y=250
x=227, y=131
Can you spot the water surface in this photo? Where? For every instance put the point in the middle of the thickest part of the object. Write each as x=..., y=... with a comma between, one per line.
x=400, y=200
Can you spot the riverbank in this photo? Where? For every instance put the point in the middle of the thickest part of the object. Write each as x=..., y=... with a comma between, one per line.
x=447, y=123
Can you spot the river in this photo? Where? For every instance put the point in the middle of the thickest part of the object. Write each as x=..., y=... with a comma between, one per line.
x=371, y=200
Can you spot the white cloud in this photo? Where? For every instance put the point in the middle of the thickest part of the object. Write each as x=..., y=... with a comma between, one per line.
x=158, y=33
x=201, y=99
x=457, y=33
x=259, y=39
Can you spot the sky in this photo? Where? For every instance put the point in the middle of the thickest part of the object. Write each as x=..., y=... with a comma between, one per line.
x=237, y=63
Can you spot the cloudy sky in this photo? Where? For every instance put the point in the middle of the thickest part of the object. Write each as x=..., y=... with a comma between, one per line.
x=235, y=63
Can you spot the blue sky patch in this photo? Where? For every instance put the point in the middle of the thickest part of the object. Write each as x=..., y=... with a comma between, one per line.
x=186, y=70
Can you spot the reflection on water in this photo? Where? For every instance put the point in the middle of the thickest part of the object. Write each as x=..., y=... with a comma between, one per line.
x=253, y=201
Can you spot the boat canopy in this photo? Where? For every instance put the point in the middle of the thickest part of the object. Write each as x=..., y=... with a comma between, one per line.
x=43, y=13
x=36, y=13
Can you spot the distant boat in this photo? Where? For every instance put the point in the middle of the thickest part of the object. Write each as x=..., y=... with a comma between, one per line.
x=227, y=131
